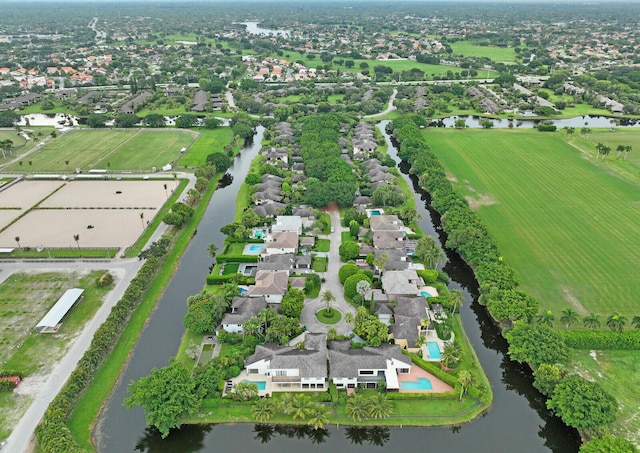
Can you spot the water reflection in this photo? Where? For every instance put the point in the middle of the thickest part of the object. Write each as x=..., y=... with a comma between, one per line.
x=188, y=439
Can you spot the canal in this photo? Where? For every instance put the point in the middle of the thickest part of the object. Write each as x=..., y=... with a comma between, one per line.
x=517, y=420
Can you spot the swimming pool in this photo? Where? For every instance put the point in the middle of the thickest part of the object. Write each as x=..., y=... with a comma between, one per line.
x=434, y=350
x=375, y=212
x=262, y=385
x=258, y=234
x=425, y=294
x=252, y=249
x=419, y=384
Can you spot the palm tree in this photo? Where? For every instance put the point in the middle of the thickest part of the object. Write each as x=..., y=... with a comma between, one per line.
x=421, y=341
x=212, y=250
x=585, y=131
x=6, y=145
x=328, y=298
x=301, y=406
x=616, y=322
x=165, y=190
x=546, y=318
x=263, y=410
x=569, y=317
x=266, y=316
x=599, y=148
x=76, y=237
x=627, y=150
x=592, y=321
x=620, y=149
x=456, y=298
x=635, y=322
x=380, y=406
x=450, y=354
x=605, y=151
x=18, y=241
x=142, y=219
x=465, y=379
x=348, y=317
x=318, y=417
x=357, y=408
x=252, y=327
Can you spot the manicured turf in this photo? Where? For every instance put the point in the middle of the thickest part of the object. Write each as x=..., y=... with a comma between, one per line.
x=469, y=49
x=210, y=141
x=567, y=224
x=619, y=374
x=134, y=149
x=329, y=317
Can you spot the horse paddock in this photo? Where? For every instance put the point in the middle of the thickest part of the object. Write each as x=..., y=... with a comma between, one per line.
x=103, y=214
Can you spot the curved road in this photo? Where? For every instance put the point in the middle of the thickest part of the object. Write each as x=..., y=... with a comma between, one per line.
x=311, y=306
x=390, y=107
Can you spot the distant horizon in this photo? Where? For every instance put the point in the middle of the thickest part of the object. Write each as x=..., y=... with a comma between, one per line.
x=511, y=2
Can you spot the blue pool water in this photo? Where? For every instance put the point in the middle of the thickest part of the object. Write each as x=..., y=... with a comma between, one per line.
x=425, y=294
x=243, y=291
x=255, y=248
x=434, y=350
x=262, y=385
x=258, y=234
x=418, y=384
x=375, y=212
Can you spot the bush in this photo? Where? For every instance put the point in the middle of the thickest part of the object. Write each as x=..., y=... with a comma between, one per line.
x=347, y=271
x=351, y=283
x=602, y=339
x=428, y=275
x=104, y=280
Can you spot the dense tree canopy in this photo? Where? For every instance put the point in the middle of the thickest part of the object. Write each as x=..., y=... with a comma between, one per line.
x=582, y=404
x=166, y=395
x=536, y=344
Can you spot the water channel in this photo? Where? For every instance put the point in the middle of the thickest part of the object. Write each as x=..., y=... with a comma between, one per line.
x=517, y=420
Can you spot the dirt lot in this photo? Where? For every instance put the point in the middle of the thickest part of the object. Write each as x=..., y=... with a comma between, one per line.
x=102, y=213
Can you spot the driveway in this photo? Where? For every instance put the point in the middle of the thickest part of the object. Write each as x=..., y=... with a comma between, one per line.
x=311, y=306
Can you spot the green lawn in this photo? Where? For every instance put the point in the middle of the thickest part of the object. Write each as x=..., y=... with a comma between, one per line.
x=397, y=65
x=322, y=245
x=135, y=149
x=24, y=299
x=319, y=264
x=569, y=225
x=210, y=141
x=497, y=54
x=619, y=374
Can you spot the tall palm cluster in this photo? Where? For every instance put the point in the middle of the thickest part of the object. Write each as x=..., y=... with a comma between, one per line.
x=570, y=317
x=298, y=405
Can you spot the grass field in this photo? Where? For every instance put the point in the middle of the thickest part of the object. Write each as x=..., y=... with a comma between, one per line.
x=210, y=141
x=568, y=224
x=135, y=149
x=397, y=65
x=618, y=373
x=24, y=299
x=497, y=54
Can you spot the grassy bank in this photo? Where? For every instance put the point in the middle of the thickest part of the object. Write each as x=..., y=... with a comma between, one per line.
x=89, y=404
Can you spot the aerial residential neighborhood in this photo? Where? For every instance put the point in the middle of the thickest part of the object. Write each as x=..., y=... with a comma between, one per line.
x=232, y=225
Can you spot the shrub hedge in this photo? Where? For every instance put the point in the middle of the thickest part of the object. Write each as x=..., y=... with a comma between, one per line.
x=52, y=433
x=602, y=339
x=237, y=258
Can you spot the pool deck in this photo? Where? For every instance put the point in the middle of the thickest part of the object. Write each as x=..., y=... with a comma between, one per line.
x=416, y=372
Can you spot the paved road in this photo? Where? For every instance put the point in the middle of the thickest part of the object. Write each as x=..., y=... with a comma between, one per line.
x=311, y=306
x=390, y=107
x=20, y=440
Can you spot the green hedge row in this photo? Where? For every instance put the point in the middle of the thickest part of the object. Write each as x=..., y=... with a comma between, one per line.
x=245, y=240
x=434, y=368
x=601, y=339
x=237, y=258
x=236, y=278
x=52, y=433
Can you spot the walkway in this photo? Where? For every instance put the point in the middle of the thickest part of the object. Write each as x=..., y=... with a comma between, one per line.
x=311, y=306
